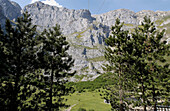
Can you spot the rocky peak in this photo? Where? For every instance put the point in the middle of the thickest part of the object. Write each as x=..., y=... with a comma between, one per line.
x=11, y=9
x=1, y=10
x=2, y=17
x=46, y=16
x=124, y=15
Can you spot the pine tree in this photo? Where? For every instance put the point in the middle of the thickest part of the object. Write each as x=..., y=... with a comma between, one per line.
x=18, y=51
x=57, y=62
x=2, y=54
x=148, y=49
x=116, y=56
x=134, y=61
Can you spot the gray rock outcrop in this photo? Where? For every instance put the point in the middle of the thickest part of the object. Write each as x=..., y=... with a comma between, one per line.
x=11, y=9
x=2, y=17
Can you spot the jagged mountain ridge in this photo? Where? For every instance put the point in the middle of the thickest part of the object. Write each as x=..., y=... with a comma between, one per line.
x=86, y=33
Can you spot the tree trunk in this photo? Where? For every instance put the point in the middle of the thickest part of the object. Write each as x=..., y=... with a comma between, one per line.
x=120, y=91
x=121, y=99
x=51, y=90
x=154, y=98
x=14, y=101
x=143, y=97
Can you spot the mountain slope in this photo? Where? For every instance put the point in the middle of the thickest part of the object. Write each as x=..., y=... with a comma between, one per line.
x=2, y=17
x=86, y=33
x=11, y=9
x=86, y=37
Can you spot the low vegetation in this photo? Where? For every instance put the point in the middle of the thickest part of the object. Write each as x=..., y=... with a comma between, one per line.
x=96, y=59
x=129, y=25
x=98, y=83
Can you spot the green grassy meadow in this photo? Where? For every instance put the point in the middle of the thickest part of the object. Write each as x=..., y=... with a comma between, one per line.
x=88, y=101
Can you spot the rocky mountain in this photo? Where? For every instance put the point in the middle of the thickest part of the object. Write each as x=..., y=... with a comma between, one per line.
x=11, y=9
x=85, y=32
x=2, y=17
x=85, y=36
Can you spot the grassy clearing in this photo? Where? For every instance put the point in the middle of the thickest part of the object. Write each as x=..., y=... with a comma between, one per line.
x=82, y=32
x=159, y=22
x=96, y=59
x=166, y=18
x=129, y=25
x=82, y=46
x=79, y=33
x=80, y=77
x=88, y=101
x=87, y=95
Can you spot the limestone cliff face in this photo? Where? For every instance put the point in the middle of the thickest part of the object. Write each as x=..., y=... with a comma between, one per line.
x=2, y=17
x=85, y=36
x=10, y=9
x=86, y=33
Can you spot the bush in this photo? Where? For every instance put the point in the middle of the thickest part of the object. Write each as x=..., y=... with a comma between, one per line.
x=99, y=82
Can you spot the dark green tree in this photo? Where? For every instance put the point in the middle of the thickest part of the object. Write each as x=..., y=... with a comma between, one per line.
x=32, y=92
x=116, y=55
x=149, y=48
x=57, y=63
x=18, y=57
x=134, y=60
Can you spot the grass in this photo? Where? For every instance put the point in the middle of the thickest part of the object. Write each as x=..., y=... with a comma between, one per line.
x=129, y=25
x=88, y=97
x=166, y=25
x=82, y=46
x=88, y=101
x=80, y=77
x=168, y=31
x=159, y=22
x=85, y=68
x=99, y=82
x=80, y=33
x=166, y=18
x=96, y=59
x=140, y=26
